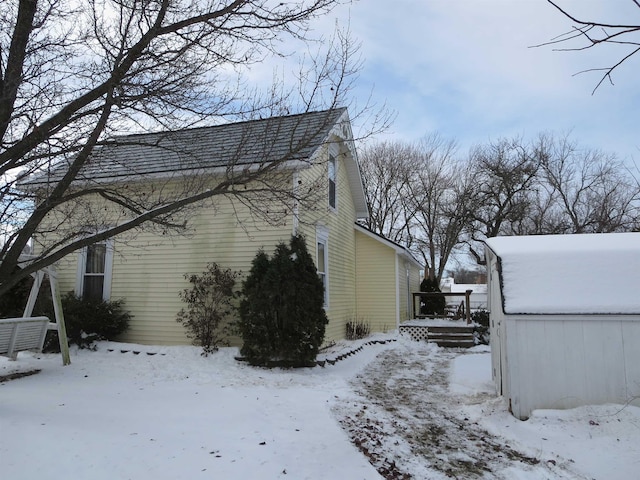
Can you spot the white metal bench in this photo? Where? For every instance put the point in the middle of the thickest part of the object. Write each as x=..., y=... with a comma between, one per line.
x=19, y=334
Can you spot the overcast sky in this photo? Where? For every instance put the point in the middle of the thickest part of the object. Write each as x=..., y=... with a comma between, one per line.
x=465, y=69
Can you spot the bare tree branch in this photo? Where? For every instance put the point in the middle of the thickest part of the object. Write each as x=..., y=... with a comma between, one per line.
x=597, y=33
x=413, y=196
x=76, y=75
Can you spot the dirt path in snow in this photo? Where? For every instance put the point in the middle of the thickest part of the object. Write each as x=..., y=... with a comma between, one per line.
x=409, y=426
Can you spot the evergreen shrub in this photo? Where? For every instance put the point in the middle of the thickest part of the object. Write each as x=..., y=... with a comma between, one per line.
x=86, y=320
x=89, y=320
x=432, y=304
x=480, y=319
x=282, y=318
x=13, y=303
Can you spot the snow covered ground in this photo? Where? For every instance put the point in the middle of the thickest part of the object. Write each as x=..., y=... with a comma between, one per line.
x=404, y=409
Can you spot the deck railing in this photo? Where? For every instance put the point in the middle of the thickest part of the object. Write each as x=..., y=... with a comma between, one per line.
x=465, y=305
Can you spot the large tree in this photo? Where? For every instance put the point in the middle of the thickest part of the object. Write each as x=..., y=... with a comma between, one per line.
x=548, y=186
x=387, y=168
x=75, y=73
x=589, y=191
x=437, y=197
x=416, y=194
x=501, y=183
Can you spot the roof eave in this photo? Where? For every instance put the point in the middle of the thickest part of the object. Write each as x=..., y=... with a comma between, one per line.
x=399, y=249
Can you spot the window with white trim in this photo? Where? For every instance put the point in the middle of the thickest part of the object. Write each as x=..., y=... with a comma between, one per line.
x=332, y=175
x=322, y=260
x=94, y=271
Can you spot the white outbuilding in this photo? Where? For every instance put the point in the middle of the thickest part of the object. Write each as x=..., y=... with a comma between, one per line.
x=565, y=319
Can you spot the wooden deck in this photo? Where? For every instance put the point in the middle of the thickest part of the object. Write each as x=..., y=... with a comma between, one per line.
x=453, y=310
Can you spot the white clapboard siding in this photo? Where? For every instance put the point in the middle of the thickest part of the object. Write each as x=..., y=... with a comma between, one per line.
x=571, y=361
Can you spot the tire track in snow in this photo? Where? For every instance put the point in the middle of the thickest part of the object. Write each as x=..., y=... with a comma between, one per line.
x=406, y=422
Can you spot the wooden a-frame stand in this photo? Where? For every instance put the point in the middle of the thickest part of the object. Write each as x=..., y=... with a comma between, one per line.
x=57, y=308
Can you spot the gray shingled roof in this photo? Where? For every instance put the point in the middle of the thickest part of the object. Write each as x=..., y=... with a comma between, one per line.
x=292, y=137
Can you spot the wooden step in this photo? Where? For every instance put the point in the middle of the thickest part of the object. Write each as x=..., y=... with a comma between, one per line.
x=451, y=336
x=451, y=329
x=460, y=336
x=453, y=343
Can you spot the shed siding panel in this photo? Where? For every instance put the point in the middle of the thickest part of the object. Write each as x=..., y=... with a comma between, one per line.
x=496, y=324
x=631, y=347
x=575, y=357
x=604, y=361
x=595, y=369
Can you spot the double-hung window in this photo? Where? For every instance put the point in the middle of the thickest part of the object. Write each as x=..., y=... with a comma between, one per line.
x=94, y=271
x=332, y=175
x=322, y=260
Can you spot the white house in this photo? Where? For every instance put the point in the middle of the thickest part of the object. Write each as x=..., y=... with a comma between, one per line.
x=563, y=332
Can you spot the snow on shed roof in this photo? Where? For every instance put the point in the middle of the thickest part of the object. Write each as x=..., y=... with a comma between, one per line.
x=564, y=274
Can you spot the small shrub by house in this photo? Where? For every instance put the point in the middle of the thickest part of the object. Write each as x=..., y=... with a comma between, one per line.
x=88, y=320
x=209, y=306
x=357, y=329
x=13, y=303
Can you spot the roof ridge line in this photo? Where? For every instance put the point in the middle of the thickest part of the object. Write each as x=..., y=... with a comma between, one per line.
x=221, y=125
